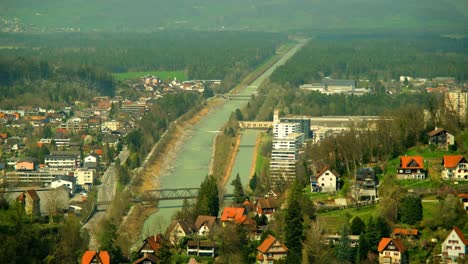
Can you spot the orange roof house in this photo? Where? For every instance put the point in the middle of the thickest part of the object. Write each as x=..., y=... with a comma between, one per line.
x=152, y=245
x=391, y=250
x=411, y=167
x=90, y=256
x=271, y=249
x=405, y=232
x=233, y=214
x=455, y=167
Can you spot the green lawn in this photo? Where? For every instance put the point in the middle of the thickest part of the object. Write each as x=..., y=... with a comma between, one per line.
x=164, y=75
x=333, y=221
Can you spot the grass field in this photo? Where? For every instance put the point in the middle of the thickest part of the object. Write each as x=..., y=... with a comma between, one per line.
x=262, y=162
x=333, y=221
x=164, y=75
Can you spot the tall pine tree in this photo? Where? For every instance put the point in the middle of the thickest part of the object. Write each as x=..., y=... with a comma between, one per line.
x=239, y=195
x=208, y=198
x=294, y=228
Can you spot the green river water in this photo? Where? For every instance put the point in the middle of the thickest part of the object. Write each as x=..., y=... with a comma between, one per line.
x=191, y=165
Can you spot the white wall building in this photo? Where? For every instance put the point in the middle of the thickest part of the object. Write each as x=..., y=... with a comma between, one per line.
x=85, y=177
x=282, y=129
x=454, y=246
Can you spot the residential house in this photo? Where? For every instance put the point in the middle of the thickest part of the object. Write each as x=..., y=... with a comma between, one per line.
x=267, y=206
x=179, y=229
x=335, y=239
x=464, y=200
x=201, y=248
x=233, y=215
x=455, y=167
x=441, y=138
x=410, y=233
x=85, y=177
x=270, y=250
x=365, y=186
x=151, y=245
x=111, y=125
x=30, y=202
x=325, y=181
x=455, y=247
x=147, y=259
x=111, y=139
x=95, y=257
x=392, y=250
x=91, y=161
x=205, y=224
x=411, y=167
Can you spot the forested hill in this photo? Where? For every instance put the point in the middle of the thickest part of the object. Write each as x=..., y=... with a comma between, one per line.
x=269, y=15
x=33, y=82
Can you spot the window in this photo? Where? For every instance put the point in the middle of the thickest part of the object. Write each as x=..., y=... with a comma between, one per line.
x=449, y=247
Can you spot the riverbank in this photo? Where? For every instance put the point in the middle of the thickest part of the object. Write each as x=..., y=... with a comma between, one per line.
x=131, y=228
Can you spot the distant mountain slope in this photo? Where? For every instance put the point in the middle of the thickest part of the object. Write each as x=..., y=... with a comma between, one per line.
x=142, y=15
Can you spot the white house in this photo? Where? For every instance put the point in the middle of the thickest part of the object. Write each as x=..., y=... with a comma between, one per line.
x=454, y=246
x=455, y=167
x=325, y=181
x=68, y=181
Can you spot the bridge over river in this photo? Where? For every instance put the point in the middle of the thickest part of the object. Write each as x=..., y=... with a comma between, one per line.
x=193, y=158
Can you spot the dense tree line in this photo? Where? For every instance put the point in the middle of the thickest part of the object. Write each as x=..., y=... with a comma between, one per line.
x=156, y=121
x=25, y=240
x=375, y=58
x=38, y=82
x=202, y=55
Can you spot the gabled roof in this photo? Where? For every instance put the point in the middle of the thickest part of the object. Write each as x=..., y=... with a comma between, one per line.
x=154, y=242
x=320, y=173
x=205, y=219
x=435, y=132
x=269, y=202
x=385, y=241
x=405, y=231
x=183, y=224
x=234, y=214
x=460, y=235
x=405, y=162
x=33, y=195
x=451, y=161
x=268, y=242
x=101, y=256
x=147, y=257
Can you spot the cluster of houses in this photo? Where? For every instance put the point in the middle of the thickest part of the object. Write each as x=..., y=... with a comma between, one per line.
x=158, y=87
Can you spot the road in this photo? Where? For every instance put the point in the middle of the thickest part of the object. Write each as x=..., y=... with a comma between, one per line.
x=105, y=192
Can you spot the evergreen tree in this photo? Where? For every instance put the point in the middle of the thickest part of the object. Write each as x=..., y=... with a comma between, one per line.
x=293, y=228
x=357, y=226
x=208, y=197
x=239, y=195
x=410, y=210
x=343, y=251
x=253, y=182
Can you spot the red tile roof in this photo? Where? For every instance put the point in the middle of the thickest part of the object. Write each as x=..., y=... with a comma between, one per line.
x=460, y=235
x=147, y=257
x=451, y=161
x=463, y=195
x=234, y=214
x=267, y=243
x=385, y=241
x=406, y=232
x=406, y=160
x=89, y=255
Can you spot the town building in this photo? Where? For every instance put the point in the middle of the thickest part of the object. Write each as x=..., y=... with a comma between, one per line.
x=177, y=230
x=205, y=225
x=325, y=181
x=456, y=102
x=392, y=250
x=85, y=177
x=283, y=129
x=43, y=175
x=95, y=257
x=455, y=167
x=411, y=167
x=30, y=202
x=267, y=206
x=441, y=138
x=455, y=247
x=270, y=250
x=63, y=160
x=201, y=248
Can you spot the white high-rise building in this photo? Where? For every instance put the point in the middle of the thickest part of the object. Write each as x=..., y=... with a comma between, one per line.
x=457, y=103
x=283, y=129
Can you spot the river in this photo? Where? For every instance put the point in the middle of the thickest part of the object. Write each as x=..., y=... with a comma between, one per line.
x=191, y=165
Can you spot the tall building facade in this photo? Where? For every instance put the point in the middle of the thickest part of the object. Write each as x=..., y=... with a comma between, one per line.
x=456, y=102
